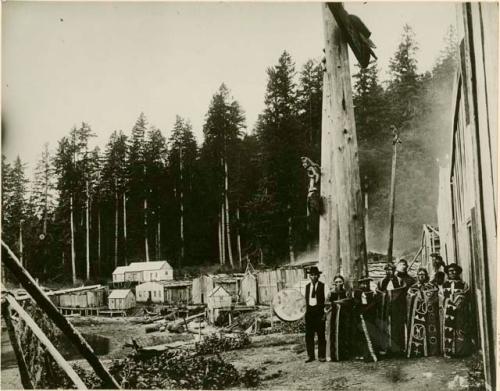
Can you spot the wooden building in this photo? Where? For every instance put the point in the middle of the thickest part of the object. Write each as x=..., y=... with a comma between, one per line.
x=119, y=274
x=204, y=285
x=469, y=180
x=269, y=282
x=219, y=298
x=144, y=271
x=248, y=289
x=121, y=299
x=92, y=296
x=165, y=292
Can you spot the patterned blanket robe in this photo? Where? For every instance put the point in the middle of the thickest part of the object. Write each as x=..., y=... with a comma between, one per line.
x=423, y=321
x=455, y=319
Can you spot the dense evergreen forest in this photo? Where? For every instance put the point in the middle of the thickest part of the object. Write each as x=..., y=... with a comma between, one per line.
x=158, y=194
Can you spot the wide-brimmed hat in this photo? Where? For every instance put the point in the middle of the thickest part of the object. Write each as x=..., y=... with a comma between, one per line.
x=365, y=279
x=455, y=266
x=313, y=270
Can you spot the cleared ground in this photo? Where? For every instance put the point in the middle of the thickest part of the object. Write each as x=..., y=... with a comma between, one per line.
x=281, y=359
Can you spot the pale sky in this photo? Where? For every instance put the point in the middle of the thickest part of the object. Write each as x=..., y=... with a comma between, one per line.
x=104, y=63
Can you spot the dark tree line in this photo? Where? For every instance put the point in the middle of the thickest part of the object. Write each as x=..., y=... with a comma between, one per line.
x=238, y=195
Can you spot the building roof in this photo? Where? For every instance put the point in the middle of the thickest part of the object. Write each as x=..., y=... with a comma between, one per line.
x=119, y=293
x=120, y=270
x=223, y=292
x=147, y=266
x=79, y=289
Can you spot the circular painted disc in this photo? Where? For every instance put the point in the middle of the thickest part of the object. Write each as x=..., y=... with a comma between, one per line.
x=289, y=305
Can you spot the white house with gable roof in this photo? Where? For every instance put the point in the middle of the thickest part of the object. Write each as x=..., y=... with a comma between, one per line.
x=145, y=271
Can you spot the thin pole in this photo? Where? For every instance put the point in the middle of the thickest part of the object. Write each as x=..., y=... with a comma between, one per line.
x=28, y=283
x=182, y=204
x=21, y=242
x=395, y=141
x=116, y=222
x=87, y=241
x=73, y=271
x=124, y=228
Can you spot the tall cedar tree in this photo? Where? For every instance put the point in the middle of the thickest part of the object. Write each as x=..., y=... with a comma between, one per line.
x=138, y=191
x=222, y=131
x=114, y=185
x=281, y=199
x=155, y=160
x=184, y=211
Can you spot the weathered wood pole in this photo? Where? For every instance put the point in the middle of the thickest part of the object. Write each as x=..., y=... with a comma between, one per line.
x=21, y=258
x=28, y=283
x=72, y=227
x=87, y=232
x=124, y=228
x=344, y=149
x=392, y=197
x=329, y=260
x=116, y=222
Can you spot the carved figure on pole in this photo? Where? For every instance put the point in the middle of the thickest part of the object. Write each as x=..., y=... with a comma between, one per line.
x=313, y=195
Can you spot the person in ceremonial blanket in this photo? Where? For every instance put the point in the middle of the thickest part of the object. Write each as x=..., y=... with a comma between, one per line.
x=423, y=317
x=456, y=319
x=391, y=313
x=364, y=317
x=338, y=313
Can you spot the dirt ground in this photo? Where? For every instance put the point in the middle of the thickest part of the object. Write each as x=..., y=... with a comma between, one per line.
x=281, y=360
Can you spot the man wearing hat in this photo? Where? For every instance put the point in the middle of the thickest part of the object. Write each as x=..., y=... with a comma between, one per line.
x=456, y=313
x=315, y=323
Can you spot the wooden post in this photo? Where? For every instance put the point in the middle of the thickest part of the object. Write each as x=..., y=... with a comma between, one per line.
x=124, y=228
x=87, y=232
x=21, y=242
x=14, y=341
x=12, y=263
x=72, y=227
x=392, y=197
x=291, y=251
x=116, y=222
x=238, y=238
x=59, y=359
x=343, y=147
x=329, y=262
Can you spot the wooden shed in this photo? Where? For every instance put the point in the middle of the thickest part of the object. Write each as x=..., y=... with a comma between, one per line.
x=470, y=179
x=92, y=296
x=201, y=287
x=219, y=298
x=248, y=288
x=165, y=292
x=121, y=299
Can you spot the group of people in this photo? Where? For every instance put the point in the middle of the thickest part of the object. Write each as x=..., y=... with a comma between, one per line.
x=403, y=316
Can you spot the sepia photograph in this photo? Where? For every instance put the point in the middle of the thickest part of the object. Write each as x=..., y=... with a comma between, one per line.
x=249, y=195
